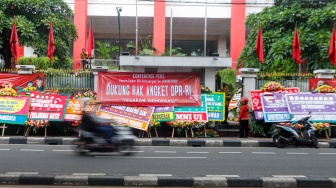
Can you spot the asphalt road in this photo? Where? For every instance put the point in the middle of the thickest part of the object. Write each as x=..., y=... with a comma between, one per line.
x=171, y=161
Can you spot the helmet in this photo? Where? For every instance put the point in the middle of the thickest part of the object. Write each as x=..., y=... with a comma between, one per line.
x=244, y=100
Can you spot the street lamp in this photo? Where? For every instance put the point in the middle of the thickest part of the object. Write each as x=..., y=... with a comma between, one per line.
x=118, y=11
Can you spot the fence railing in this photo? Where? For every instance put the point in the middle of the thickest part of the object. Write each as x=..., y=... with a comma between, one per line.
x=286, y=79
x=111, y=63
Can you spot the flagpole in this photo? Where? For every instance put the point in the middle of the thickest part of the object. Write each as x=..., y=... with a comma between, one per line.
x=258, y=39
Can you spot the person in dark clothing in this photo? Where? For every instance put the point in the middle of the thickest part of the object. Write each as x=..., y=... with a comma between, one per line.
x=227, y=101
x=243, y=118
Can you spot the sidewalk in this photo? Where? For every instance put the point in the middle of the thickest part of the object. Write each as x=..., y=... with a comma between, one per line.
x=166, y=141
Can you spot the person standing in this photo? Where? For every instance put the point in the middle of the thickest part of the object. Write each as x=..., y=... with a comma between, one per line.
x=227, y=101
x=83, y=57
x=243, y=118
x=39, y=84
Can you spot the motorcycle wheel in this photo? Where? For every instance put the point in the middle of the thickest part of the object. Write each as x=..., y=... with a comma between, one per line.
x=314, y=141
x=277, y=142
x=80, y=150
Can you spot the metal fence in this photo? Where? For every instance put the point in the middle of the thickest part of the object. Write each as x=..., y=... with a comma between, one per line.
x=69, y=82
x=287, y=80
x=111, y=63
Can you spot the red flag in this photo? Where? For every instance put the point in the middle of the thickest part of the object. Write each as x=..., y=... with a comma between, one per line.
x=51, y=44
x=332, y=50
x=259, y=48
x=14, y=42
x=296, y=47
x=90, y=44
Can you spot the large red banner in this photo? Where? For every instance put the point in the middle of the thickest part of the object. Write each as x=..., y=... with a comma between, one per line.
x=317, y=82
x=20, y=81
x=149, y=89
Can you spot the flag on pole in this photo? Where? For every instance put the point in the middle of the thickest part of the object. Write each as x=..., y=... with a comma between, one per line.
x=51, y=44
x=332, y=49
x=296, y=54
x=90, y=43
x=14, y=42
x=259, y=48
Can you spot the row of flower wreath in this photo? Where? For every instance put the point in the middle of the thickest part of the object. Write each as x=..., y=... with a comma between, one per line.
x=318, y=126
x=276, y=86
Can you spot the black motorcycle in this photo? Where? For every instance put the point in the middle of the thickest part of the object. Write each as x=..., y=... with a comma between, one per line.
x=120, y=141
x=284, y=135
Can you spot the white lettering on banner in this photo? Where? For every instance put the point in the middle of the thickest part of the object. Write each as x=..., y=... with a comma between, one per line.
x=157, y=91
x=72, y=117
x=117, y=89
x=37, y=104
x=7, y=118
x=135, y=123
x=176, y=90
x=105, y=116
x=162, y=100
x=277, y=116
x=39, y=115
x=54, y=116
x=213, y=115
x=120, y=107
x=183, y=116
x=55, y=106
x=34, y=100
x=143, y=113
x=143, y=75
x=137, y=90
x=133, y=100
x=187, y=90
x=197, y=116
x=161, y=76
x=132, y=110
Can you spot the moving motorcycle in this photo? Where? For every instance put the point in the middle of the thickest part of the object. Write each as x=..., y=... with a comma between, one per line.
x=284, y=135
x=120, y=140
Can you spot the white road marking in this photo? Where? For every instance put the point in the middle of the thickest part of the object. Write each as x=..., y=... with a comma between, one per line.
x=32, y=150
x=264, y=153
x=63, y=150
x=226, y=176
x=165, y=151
x=289, y=176
x=4, y=149
x=327, y=153
x=157, y=157
x=297, y=153
x=133, y=151
x=196, y=152
x=89, y=174
x=155, y=175
x=19, y=173
x=230, y=152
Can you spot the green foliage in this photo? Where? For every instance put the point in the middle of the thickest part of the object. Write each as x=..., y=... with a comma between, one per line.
x=175, y=52
x=43, y=63
x=105, y=50
x=32, y=22
x=314, y=20
x=228, y=76
x=260, y=128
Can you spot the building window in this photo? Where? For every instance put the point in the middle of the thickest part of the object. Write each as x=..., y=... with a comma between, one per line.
x=202, y=74
x=151, y=70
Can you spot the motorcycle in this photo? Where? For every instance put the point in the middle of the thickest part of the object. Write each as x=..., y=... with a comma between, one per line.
x=284, y=135
x=120, y=141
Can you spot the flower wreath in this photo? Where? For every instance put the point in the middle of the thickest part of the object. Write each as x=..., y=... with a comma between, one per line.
x=205, y=89
x=7, y=90
x=272, y=86
x=86, y=94
x=325, y=89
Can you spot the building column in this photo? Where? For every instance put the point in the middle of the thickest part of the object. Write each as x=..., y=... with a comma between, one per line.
x=81, y=22
x=159, y=26
x=237, y=31
x=249, y=76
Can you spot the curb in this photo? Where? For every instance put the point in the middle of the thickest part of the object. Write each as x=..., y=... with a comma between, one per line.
x=161, y=142
x=163, y=181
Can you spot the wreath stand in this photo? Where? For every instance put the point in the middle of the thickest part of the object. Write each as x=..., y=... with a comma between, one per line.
x=27, y=131
x=141, y=134
x=3, y=129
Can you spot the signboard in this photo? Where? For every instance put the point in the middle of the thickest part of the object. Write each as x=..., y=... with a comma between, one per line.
x=73, y=110
x=215, y=105
x=321, y=106
x=259, y=115
x=163, y=114
x=14, y=109
x=317, y=82
x=256, y=101
x=236, y=98
x=274, y=107
x=192, y=113
x=149, y=89
x=20, y=81
x=136, y=117
x=45, y=106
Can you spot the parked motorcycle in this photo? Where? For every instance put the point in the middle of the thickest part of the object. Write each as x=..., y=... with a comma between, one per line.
x=120, y=141
x=284, y=135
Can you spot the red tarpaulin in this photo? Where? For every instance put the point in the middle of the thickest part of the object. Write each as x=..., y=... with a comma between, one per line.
x=259, y=46
x=296, y=47
x=90, y=43
x=332, y=49
x=149, y=89
x=14, y=43
x=51, y=45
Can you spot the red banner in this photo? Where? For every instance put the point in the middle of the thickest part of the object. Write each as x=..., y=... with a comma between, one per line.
x=316, y=82
x=20, y=81
x=149, y=89
x=256, y=101
x=45, y=106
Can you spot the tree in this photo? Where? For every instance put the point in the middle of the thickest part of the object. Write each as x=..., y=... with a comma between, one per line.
x=32, y=22
x=314, y=19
